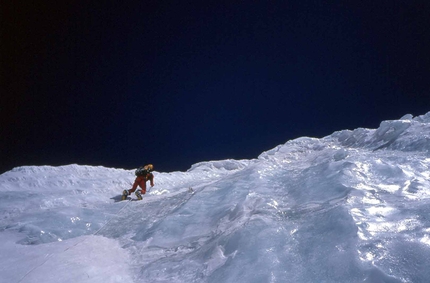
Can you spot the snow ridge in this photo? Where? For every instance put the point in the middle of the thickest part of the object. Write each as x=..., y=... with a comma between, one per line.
x=350, y=207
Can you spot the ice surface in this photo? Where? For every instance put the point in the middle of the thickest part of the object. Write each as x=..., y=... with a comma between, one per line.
x=350, y=207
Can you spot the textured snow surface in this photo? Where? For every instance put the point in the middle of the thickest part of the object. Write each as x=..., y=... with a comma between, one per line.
x=350, y=207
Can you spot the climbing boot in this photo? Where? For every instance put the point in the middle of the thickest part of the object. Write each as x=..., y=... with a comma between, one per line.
x=139, y=196
x=124, y=195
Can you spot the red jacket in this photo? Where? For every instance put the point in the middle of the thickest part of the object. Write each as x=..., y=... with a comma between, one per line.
x=141, y=182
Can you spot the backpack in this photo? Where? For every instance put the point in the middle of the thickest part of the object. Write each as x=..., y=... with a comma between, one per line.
x=143, y=170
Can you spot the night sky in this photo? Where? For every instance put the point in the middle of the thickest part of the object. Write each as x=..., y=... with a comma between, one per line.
x=173, y=83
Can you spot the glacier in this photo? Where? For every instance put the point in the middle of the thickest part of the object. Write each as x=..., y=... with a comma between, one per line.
x=353, y=206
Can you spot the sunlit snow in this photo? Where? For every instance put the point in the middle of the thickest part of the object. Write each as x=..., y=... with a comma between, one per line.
x=350, y=207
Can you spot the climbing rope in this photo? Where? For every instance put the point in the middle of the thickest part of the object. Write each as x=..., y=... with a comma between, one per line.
x=112, y=217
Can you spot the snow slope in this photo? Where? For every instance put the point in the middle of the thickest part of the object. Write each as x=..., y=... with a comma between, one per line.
x=350, y=207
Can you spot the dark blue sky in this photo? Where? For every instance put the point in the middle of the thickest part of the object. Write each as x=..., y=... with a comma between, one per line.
x=173, y=83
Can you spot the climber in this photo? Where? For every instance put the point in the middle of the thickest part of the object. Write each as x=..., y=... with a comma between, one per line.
x=143, y=174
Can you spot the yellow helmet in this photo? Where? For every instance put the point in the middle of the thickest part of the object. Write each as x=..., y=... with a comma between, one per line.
x=149, y=167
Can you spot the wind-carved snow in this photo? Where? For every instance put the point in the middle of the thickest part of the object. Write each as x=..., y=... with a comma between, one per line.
x=349, y=207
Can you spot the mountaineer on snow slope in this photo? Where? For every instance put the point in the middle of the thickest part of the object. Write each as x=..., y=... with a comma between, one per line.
x=143, y=174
